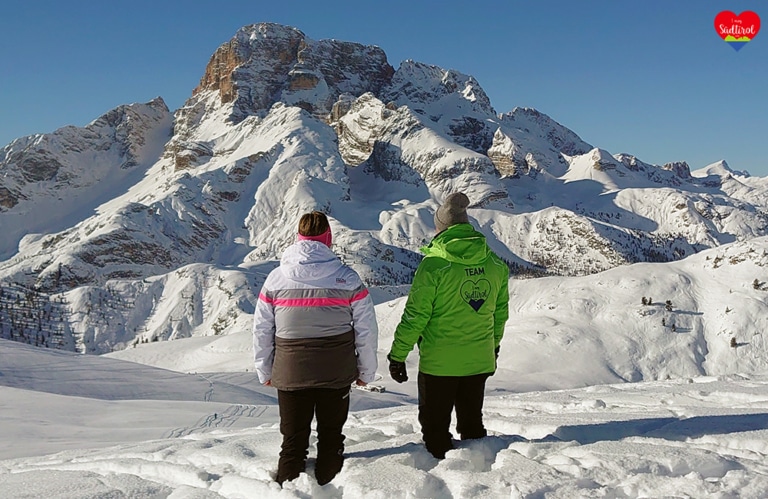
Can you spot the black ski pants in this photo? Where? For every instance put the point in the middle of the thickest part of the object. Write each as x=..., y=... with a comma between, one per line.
x=297, y=409
x=438, y=396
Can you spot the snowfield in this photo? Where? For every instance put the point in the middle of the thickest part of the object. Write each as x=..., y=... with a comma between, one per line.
x=593, y=398
x=690, y=437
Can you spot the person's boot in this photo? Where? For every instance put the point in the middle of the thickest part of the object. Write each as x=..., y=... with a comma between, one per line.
x=472, y=435
x=328, y=466
x=438, y=449
x=289, y=469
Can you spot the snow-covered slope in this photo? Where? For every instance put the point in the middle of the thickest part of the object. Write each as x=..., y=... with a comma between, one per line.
x=568, y=332
x=96, y=377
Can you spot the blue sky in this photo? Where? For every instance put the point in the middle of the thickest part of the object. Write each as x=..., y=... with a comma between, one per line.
x=650, y=78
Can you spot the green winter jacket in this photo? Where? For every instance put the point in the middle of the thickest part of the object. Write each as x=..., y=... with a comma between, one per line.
x=457, y=306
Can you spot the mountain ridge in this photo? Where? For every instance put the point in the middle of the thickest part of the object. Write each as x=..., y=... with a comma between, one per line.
x=281, y=124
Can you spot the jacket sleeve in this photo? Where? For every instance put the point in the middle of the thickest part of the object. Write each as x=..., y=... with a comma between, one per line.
x=417, y=313
x=366, y=334
x=264, y=335
x=501, y=314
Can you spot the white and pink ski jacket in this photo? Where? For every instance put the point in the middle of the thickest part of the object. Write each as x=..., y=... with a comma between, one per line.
x=305, y=309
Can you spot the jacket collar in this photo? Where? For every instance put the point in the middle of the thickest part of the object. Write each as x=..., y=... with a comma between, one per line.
x=309, y=261
x=459, y=243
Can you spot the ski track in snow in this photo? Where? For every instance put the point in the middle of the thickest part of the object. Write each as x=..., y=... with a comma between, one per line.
x=209, y=393
x=219, y=420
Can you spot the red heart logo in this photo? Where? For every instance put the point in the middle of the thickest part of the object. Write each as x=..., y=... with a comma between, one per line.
x=733, y=28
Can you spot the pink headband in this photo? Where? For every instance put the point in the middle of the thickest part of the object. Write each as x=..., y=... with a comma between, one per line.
x=326, y=238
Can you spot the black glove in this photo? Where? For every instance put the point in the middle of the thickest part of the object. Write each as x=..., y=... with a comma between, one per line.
x=397, y=370
x=496, y=364
x=496, y=352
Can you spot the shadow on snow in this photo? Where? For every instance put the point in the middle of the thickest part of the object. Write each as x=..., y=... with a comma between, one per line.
x=675, y=429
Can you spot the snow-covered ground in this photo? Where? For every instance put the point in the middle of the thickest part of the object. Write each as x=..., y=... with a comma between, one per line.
x=88, y=427
x=188, y=419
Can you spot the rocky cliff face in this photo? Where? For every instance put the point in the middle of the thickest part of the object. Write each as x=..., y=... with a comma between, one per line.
x=268, y=63
x=144, y=226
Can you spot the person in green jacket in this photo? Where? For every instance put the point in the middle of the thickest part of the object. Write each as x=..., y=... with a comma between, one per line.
x=455, y=313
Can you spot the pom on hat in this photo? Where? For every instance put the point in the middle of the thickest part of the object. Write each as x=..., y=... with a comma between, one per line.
x=452, y=212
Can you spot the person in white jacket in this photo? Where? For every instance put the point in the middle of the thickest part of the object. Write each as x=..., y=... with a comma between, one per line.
x=314, y=335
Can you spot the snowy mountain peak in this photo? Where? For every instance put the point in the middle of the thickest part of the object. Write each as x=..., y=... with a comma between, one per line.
x=49, y=182
x=537, y=123
x=268, y=63
x=720, y=169
x=433, y=90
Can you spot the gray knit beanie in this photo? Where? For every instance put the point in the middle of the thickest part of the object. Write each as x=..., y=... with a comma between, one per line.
x=452, y=212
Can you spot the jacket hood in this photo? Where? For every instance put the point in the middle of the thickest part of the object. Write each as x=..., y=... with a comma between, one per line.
x=309, y=261
x=459, y=243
